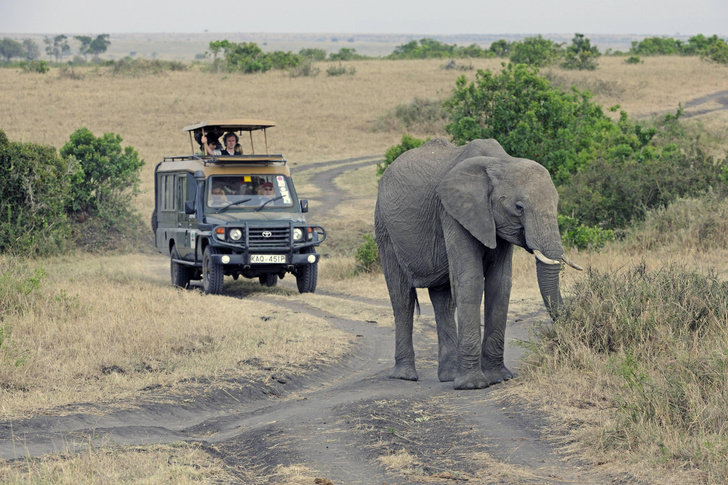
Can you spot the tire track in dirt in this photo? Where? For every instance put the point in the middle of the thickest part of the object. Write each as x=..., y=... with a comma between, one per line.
x=339, y=419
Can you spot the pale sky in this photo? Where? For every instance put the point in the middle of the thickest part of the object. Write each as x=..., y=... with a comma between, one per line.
x=655, y=17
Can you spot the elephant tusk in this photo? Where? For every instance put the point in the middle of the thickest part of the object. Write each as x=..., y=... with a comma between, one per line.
x=539, y=255
x=571, y=263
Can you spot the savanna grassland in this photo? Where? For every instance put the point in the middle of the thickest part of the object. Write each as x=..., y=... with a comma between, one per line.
x=98, y=329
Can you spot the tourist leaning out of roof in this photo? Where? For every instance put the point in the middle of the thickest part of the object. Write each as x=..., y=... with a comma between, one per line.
x=232, y=147
x=211, y=147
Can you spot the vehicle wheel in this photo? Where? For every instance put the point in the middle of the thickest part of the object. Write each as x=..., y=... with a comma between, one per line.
x=268, y=279
x=307, y=275
x=212, y=273
x=180, y=273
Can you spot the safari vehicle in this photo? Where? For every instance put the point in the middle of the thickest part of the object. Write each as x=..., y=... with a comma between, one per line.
x=233, y=215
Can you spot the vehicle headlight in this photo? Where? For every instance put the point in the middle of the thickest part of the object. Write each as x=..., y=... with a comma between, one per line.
x=297, y=234
x=235, y=234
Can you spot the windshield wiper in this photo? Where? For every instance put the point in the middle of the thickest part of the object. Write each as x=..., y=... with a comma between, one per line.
x=232, y=204
x=268, y=202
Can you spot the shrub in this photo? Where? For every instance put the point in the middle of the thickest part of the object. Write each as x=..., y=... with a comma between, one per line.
x=661, y=335
x=40, y=67
x=580, y=236
x=345, y=54
x=340, y=70
x=34, y=191
x=420, y=115
x=718, y=52
x=367, y=256
x=408, y=142
x=306, y=68
x=535, y=51
x=633, y=60
x=581, y=54
x=315, y=54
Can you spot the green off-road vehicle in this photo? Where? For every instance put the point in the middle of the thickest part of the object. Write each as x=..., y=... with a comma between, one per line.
x=235, y=215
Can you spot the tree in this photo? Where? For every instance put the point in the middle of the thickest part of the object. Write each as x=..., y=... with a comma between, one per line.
x=85, y=41
x=535, y=51
x=501, y=48
x=57, y=47
x=99, y=44
x=581, y=54
x=105, y=175
x=31, y=50
x=10, y=48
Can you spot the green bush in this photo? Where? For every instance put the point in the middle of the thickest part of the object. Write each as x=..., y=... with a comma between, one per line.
x=535, y=51
x=311, y=53
x=34, y=191
x=633, y=60
x=579, y=236
x=340, y=70
x=581, y=54
x=105, y=176
x=718, y=52
x=367, y=256
x=307, y=68
x=41, y=67
x=408, y=142
x=345, y=54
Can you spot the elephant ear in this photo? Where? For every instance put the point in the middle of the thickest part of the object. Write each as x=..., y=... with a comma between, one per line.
x=464, y=194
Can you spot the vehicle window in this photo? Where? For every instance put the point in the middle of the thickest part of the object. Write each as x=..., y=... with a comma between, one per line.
x=254, y=189
x=167, y=193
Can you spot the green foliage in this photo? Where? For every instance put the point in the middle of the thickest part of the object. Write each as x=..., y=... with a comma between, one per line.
x=345, y=54
x=434, y=49
x=143, y=67
x=717, y=52
x=30, y=50
x=367, y=256
x=581, y=54
x=529, y=118
x=408, y=142
x=698, y=45
x=535, y=51
x=633, y=60
x=315, y=54
x=40, y=67
x=105, y=176
x=34, y=188
x=10, y=48
x=501, y=48
x=579, y=236
x=57, y=47
x=247, y=57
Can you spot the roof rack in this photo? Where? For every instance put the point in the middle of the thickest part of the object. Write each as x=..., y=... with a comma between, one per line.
x=267, y=159
x=218, y=127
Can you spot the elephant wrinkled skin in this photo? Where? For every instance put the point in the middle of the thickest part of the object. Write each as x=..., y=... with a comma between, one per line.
x=446, y=219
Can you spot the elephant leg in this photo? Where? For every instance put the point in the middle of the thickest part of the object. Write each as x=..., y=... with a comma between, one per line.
x=465, y=264
x=498, y=282
x=403, y=298
x=447, y=334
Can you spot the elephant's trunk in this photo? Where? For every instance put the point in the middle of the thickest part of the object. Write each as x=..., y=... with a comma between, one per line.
x=548, y=283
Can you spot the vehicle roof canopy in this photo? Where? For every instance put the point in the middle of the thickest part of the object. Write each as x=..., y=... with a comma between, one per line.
x=231, y=125
x=215, y=129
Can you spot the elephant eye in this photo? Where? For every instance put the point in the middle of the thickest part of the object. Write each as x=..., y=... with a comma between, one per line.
x=519, y=207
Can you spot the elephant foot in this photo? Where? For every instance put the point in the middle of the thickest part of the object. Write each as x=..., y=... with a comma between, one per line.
x=447, y=373
x=404, y=371
x=471, y=380
x=497, y=374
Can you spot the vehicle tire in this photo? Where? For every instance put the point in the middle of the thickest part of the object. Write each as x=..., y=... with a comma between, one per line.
x=307, y=274
x=268, y=279
x=180, y=273
x=212, y=273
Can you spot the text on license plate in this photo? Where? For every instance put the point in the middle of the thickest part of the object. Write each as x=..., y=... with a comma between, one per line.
x=267, y=258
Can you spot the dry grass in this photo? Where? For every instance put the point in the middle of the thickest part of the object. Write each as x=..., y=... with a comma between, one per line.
x=151, y=333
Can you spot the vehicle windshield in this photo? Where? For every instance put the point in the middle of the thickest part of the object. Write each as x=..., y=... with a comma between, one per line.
x=248, y=192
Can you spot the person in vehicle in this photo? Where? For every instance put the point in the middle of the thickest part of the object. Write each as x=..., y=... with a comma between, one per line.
x=232, y=147
x=266, y=190
x=219, y=198
x=212, y=146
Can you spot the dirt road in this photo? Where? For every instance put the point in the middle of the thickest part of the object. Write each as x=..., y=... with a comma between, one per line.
x=342, y=419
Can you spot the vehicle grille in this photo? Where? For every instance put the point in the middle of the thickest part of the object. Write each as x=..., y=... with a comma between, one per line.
x=279, y=237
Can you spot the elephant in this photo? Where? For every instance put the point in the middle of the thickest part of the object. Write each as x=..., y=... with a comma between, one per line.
x=446, y=219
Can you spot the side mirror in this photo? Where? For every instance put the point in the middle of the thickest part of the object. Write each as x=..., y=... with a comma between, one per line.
x=190, y=207
x=304, y=205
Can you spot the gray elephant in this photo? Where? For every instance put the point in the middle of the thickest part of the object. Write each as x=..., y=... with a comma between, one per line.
x=446, y=219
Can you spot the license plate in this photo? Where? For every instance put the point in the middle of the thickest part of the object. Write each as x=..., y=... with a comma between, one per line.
x=268, y=258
